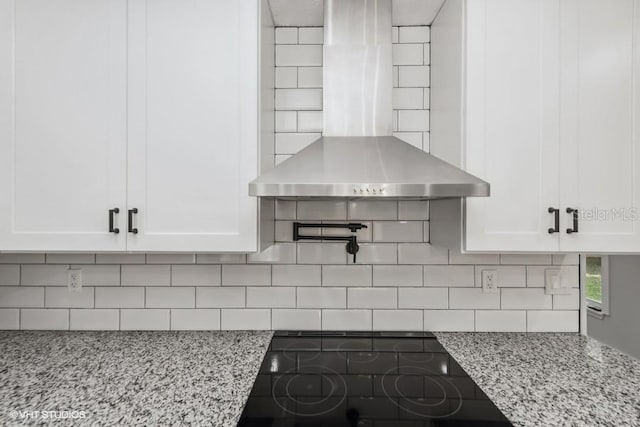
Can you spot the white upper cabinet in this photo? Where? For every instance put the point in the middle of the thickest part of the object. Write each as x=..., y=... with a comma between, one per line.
x=600, y=144
x=193, y=124
x=148, y=107
x=63, y=136
x=542, y=105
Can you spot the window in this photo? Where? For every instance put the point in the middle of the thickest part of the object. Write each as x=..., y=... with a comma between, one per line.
x=595, y=274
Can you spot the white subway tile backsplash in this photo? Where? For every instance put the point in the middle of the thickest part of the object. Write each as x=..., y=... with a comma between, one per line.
x=195, y=275
x=298, y=99
x=21, y=296
x=61, y=297
x=155, y=319
x=523, y=259
x=397, y=320
x=397, y=275
x=372, y=297
x=286, y=78
x=413, y=120
x=373, y=209
x=394, y=34
x=473, y=298
x=171, y=258
x=340, y=320
x=413, y=210
x=448, y=275
x=508, y=276
x=296, y=275
x=9, y=319
x=154, y=275
x=527, y=298
x=286, y=121
x=22, y=258
x=294, y=319
x=449, y=320
x=394, y=76
x=301, y=55
x=364, y=234
x=220, y=297
x=99, y=275
x=291, y=143
x=397, y=231
x=221, y=258
x=286, y=35
x=271, y=297
x=322, y=210
x=427, y=54
x=44, y=319
x=71, y=258
x=552, y=321
x=407, y=54
x=501, y=321
x=322, y=298
x=566, y=259
x=170, y=297
x=9, y=274
x=311, y=35
x=246, y=275
x=414, y=34
x=241, y=319
x=425, y=298
x=413, y=76
x=195, y=319
x=456, y=257
x=569, y=275
x=119, y=297
x=408, y=98
x=310, y=77
x=310, y=121
x=285, y=209
x=421, y=253
x=346, y=275
x=426, y=98
x=94, y=319
x=47, y=275
x=377, y=253
x=117, y=259
x=570, y=301
x=322, y=253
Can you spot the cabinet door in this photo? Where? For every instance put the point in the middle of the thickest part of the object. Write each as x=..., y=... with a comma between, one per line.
x=193, y=111
x=512, y=123
x=601, y=143
x=62, y=124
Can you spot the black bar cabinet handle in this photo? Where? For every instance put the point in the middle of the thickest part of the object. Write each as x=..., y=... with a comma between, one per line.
x=556, y=220
x=131, y=228
x=112, y=213
x=575, y=220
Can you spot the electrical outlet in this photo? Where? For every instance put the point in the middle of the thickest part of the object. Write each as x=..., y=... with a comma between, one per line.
x=490, y=281
x=74, y=280
x=553, y=284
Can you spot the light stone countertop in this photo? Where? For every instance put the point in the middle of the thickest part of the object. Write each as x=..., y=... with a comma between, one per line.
x=545, y=379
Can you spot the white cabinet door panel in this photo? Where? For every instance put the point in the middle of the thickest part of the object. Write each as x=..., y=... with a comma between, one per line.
x=512, y=128
x=62, y=123
x=193, y=113
x=602, y=144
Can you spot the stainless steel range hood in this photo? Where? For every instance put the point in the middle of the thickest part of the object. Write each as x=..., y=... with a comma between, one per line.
x=372, y=167
x=358, y=157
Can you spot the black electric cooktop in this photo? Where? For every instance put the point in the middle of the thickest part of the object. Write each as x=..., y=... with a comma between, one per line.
x=382, y=379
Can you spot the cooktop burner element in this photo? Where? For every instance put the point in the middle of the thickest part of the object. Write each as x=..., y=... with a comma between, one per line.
x=387, y=379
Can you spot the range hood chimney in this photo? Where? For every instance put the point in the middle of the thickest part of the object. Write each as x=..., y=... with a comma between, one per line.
x=357, y=156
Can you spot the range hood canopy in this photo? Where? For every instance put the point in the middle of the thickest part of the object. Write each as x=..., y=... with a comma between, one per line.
x=382, y=167
x=358, y=157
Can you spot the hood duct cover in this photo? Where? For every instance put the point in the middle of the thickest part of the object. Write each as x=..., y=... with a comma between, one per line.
x=357, y=157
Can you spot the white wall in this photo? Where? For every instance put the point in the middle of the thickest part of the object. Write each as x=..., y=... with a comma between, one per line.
x=401, y=281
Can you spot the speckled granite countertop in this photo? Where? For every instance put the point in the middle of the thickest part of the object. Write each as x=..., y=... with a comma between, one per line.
x=129, y=378
x=551, y=379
